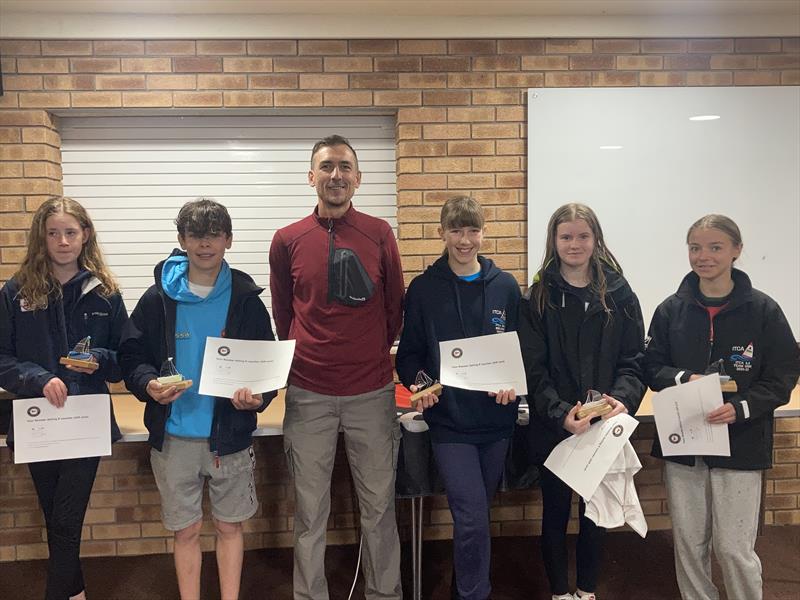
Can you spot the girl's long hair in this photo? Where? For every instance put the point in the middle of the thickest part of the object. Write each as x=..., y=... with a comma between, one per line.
x=35, y=278
x=600, y=256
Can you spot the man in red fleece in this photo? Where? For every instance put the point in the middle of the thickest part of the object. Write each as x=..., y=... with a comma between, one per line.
x=337, y=288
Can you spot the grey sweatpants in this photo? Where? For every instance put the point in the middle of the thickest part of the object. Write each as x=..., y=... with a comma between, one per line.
x=372, y=439
x=719, y=508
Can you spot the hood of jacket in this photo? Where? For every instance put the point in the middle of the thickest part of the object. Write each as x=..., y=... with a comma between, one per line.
x=241, y=285
x=175, y=280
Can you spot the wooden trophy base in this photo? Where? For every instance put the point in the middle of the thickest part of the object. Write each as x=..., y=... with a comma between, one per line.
x=178, y=385
x=436, y=389
x=729, y=386
x=595, y=409
x=76, y=362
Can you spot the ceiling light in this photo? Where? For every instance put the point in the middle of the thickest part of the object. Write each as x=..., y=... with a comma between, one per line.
x=610, y=147
x=704, y=118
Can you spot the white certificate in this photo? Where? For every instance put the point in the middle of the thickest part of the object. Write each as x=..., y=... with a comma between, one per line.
x=487, y=363
x=582, y=461
x=232, y=364
x=82, y=427
x=681, y=413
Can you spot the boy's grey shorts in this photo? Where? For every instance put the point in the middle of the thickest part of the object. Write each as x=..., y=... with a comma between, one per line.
x=181, y=469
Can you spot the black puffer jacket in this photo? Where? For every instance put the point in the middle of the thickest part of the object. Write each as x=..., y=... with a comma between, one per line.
x=33, y=341
x=609, y=356
x=752, y=337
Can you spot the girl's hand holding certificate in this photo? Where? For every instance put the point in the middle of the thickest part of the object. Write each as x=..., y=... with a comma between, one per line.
x=504, y=396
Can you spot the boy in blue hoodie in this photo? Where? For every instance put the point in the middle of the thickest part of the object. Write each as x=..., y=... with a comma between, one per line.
x=195, y=437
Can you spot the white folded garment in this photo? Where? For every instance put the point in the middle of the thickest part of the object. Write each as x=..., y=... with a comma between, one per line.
x=615, y=501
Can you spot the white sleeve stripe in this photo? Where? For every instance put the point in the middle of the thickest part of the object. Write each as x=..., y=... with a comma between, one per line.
x=678, y=377
x=746, y=409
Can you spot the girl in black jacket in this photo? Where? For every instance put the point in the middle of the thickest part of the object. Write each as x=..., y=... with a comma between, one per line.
x=580, y=329
x=462, y=295
x=61, y=293
x=716, y=315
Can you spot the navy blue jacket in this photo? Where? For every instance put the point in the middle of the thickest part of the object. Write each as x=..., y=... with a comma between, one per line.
x=440, y=307
x=680, y=341
x=609, y=357
x=32, y=341
x=148, y=339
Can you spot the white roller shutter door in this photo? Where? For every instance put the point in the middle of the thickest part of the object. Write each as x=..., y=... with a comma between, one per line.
x=134, y=173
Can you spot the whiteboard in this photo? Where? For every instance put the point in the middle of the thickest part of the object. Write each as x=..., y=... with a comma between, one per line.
x=664, y=171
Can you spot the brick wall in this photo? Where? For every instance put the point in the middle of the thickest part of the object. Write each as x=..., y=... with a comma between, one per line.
x=461, y=128
x=124, y=514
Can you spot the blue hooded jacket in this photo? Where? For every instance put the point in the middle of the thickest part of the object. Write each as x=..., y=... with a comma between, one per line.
x=196, y=319
x=440, y=306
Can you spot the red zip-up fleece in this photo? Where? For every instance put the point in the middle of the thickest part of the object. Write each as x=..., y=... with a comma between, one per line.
x=341, y=350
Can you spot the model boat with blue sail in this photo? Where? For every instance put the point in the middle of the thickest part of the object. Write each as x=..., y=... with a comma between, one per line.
x=81, y=355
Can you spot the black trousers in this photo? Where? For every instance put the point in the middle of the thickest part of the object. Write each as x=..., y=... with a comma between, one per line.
x=63, y=487
x=557, y=500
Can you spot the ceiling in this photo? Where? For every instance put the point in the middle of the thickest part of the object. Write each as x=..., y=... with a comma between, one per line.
x=411, y=7
x=396, y=18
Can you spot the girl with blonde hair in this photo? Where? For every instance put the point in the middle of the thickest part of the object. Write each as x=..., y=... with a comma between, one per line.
x=62, y=293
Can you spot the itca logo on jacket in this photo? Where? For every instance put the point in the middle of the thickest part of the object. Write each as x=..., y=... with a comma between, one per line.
x=742, y=358
x=499, y=320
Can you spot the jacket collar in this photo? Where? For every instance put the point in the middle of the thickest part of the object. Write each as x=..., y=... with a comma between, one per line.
x=689, y=289
x=325, y=221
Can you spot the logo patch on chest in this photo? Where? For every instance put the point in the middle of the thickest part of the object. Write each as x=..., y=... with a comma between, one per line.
x=499, y=320
x=742, y=357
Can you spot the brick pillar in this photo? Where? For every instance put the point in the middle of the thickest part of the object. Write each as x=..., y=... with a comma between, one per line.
x=30, y=171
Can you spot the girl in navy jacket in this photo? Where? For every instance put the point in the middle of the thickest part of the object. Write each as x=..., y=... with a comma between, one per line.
x=462, y=295
x=580, y=329
x=716, y=315
x=61, y=293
